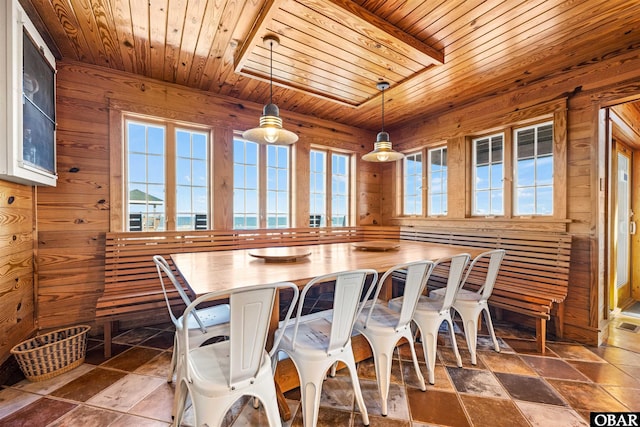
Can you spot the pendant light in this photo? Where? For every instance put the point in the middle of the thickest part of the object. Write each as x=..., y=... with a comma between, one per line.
x=382, y=150
x=270, y=130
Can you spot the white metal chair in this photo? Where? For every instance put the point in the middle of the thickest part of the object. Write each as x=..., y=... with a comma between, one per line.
x=203, y=324
x=471, y=303
x=430, y=313
x=218, y=374
x=384, y=327
x=317, y=341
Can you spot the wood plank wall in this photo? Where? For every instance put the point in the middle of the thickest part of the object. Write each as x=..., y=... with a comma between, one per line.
x=17, y=311
x=586, y=88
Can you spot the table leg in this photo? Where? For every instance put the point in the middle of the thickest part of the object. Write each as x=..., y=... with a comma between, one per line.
x=285, y=412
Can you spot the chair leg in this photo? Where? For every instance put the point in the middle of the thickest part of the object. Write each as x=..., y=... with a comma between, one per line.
x=310, y=390
x=355, y=383
x=174, y=356
x=429, y=344
x=416, y=365
x=471, y=335
x=179, y=402
x=382, y=359
x=487, y=320
x=454, y=344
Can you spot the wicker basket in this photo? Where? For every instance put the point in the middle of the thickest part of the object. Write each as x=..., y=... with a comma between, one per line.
x=55, y=353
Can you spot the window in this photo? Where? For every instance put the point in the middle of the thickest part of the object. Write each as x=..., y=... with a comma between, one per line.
x=437, y=189
x=329, y=201
x=488, y=174
x=261, y=195
x=413, y=184
x=318, y=188
x=167, y=176
x=277, y=186
x=245, y=184
x=534, y=170
x=339, y=190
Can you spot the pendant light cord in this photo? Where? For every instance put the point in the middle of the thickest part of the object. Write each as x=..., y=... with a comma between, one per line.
x=271, y=72
x=382, y=110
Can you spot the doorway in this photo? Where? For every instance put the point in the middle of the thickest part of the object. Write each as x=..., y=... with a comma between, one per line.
x=624, y=207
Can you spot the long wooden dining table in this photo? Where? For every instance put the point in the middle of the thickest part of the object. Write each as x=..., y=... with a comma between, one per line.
x=205, y=272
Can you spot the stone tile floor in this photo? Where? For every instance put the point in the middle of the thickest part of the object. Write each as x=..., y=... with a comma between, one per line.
x=516, y=387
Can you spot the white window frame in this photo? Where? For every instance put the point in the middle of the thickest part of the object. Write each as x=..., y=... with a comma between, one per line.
x=264, y=190
x=491, y=190
x=152, y=221
x=417, y=192
x=431, y=188
x=326, y=219
x=536, y=187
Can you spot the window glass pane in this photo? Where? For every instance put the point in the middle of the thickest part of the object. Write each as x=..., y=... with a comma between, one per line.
x=545, y=140
x=544, y=170
x=525, y=201
x=137, y=168
x=482, y=177
x=137, y=138
x=184, y=199
x=156, y=140
x=496, y=150
x=200, y=200
x=526, y=172
x=183, y=141
x=544, y=200
x=199, y=145
x=497, y=201
x=482, y=205
x=482, y=152
x=251, y=177
x=526, y=143
x=199, y=172
x=183, y=171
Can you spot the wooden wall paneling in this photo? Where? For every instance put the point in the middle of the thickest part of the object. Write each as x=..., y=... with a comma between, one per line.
x=458, y=182
x=222, y=179
x=300, y=176
x=17, y=307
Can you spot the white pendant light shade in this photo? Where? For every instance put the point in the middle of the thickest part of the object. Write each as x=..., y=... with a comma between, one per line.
x=270, y=130
x=382, y=148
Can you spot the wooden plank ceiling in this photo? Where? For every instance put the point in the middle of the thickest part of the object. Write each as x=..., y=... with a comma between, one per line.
x=436, y=54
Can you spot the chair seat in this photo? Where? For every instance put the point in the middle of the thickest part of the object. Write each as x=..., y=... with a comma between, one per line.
x=382, y=317
x=313, y=335
x=425, y=304
x=211, y=366
x=216, y=316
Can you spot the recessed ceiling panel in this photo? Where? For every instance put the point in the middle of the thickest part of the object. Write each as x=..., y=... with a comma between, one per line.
x=334, y=49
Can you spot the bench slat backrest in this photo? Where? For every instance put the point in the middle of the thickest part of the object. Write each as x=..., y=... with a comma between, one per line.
x=535, y=264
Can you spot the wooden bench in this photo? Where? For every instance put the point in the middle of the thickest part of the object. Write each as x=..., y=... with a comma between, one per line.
x=534, y=275
x=132, y=289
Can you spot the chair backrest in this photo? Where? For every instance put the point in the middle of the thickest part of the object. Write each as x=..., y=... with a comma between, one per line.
x=250, y=313
x=417, y=275
x=165, y=272
x=348, y=292
x=457, y=264
x=487, y=264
